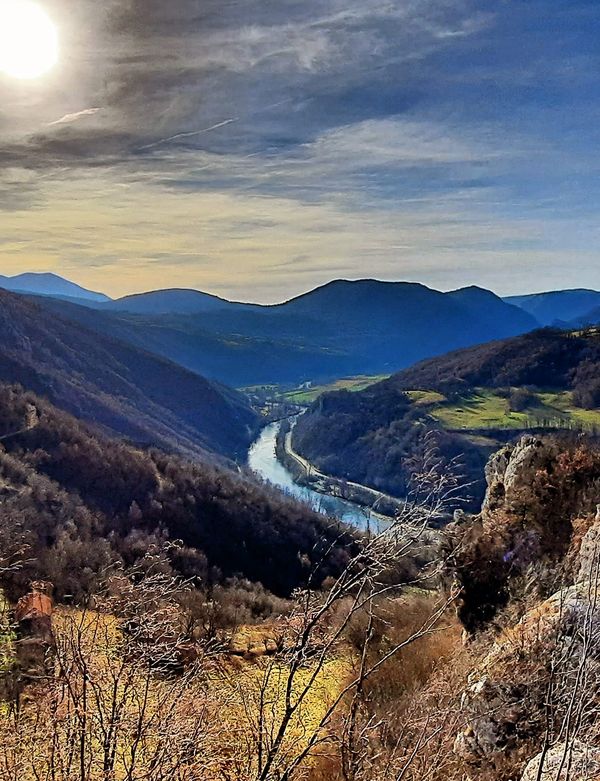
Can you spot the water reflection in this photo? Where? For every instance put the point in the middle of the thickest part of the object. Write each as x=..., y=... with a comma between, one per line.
x=263, y=461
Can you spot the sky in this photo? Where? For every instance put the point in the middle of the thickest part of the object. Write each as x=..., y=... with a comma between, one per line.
x=258, y=148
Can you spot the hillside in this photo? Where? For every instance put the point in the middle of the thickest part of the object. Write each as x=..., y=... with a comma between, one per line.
x=466, y=402
x=50, y=285
x=234, y=358
x=174, y=302
x=343, y=328
x=485, y=667
x=80, y=502
x=117, y=386
x=560, y=306
x=546, y=358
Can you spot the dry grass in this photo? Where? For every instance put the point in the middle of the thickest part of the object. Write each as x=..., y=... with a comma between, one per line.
x=212, y=712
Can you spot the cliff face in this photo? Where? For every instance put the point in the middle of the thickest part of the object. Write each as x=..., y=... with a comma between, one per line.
x=541, y=497
x=527, y=572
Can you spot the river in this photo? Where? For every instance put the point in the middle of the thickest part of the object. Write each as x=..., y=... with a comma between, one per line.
x=263, y=461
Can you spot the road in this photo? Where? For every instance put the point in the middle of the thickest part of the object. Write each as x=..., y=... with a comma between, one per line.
x=312, y=471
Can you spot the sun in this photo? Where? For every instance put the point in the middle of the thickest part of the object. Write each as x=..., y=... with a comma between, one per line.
x=28, y=39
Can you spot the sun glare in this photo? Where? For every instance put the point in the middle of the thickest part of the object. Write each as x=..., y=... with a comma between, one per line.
x=28, y=39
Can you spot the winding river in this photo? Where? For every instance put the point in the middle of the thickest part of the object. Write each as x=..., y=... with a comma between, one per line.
x=263, y=462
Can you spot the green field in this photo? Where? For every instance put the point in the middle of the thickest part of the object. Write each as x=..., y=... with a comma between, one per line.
x=486, y=409
x=308, y=395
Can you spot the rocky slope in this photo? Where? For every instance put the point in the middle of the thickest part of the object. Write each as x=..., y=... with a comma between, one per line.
x=526, y=570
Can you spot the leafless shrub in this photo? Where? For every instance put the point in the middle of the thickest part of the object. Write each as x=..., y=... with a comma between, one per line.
x=286, y=736
x=115, y=708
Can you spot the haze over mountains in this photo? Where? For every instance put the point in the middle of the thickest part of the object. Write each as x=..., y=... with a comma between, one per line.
x=546, y=307
x=50, y=285
x=560, y=306
x=341, y=328
x=117, y=386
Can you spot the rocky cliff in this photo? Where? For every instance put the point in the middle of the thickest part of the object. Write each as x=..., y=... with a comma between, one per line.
x=526, y=570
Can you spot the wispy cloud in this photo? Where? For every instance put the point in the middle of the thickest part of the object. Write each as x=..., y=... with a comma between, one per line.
x=273, y=144
x=189, y=134
x=68, y=119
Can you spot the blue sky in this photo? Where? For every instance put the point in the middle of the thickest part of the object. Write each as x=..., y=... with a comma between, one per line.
x=257, y=148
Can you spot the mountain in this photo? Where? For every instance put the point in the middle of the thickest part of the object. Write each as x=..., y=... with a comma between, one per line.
x=81, y=503
x=558, y=307
x=118, y=386
x=342, y=328
x=393, y=324
x=590, y=318
x=171, y=302
x=466, y=403
x=50, y=285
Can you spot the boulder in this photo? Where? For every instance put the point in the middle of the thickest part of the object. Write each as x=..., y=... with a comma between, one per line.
x=577, y=762
x=494, y=713
x=589, y=553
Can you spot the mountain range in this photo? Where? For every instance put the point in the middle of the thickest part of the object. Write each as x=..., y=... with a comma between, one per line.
x=342, y=328
x=119, y=387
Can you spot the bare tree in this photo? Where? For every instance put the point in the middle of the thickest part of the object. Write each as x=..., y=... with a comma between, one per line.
x=283, y=735
x=128, y=699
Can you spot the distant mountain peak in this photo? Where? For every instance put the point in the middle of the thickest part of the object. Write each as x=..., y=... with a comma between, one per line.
x=170, y=301
x=558, y=306
x=46, y=283
x=477, y=289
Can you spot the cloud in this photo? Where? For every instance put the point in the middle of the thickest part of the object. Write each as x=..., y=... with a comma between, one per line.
x=189, y=134
x=270, y=143
x=67, y=119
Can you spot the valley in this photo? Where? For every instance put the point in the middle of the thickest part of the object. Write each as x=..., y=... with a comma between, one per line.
x=264, y=462
x=248, y=562
x=299, y=390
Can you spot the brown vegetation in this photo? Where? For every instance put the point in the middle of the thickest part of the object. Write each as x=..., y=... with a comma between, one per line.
x=76, y=503
x=363, y=679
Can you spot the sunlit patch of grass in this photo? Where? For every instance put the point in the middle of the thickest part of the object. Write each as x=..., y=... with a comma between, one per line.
x=423, y=398
x=482, y=409
x=354, y=384
x=235, y=695
x=486, y=408
x=255, y=693
x=7, y=636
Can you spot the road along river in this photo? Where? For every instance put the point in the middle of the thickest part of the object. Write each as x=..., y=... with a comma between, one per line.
x=263, y=461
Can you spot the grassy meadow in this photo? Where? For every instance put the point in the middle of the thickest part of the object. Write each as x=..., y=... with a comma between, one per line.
x=487, y=408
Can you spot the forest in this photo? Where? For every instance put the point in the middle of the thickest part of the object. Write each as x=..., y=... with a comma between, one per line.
x=376, y=436
x=78, y=502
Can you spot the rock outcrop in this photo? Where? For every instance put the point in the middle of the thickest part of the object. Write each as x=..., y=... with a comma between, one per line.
x=575, y=762
x=540, y=511
x=537, y=489
x=589, y=553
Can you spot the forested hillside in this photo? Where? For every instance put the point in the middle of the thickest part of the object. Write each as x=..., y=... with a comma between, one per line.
x=118, y=386
x=465, y=403
x=75, y=502
x=546, y=358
